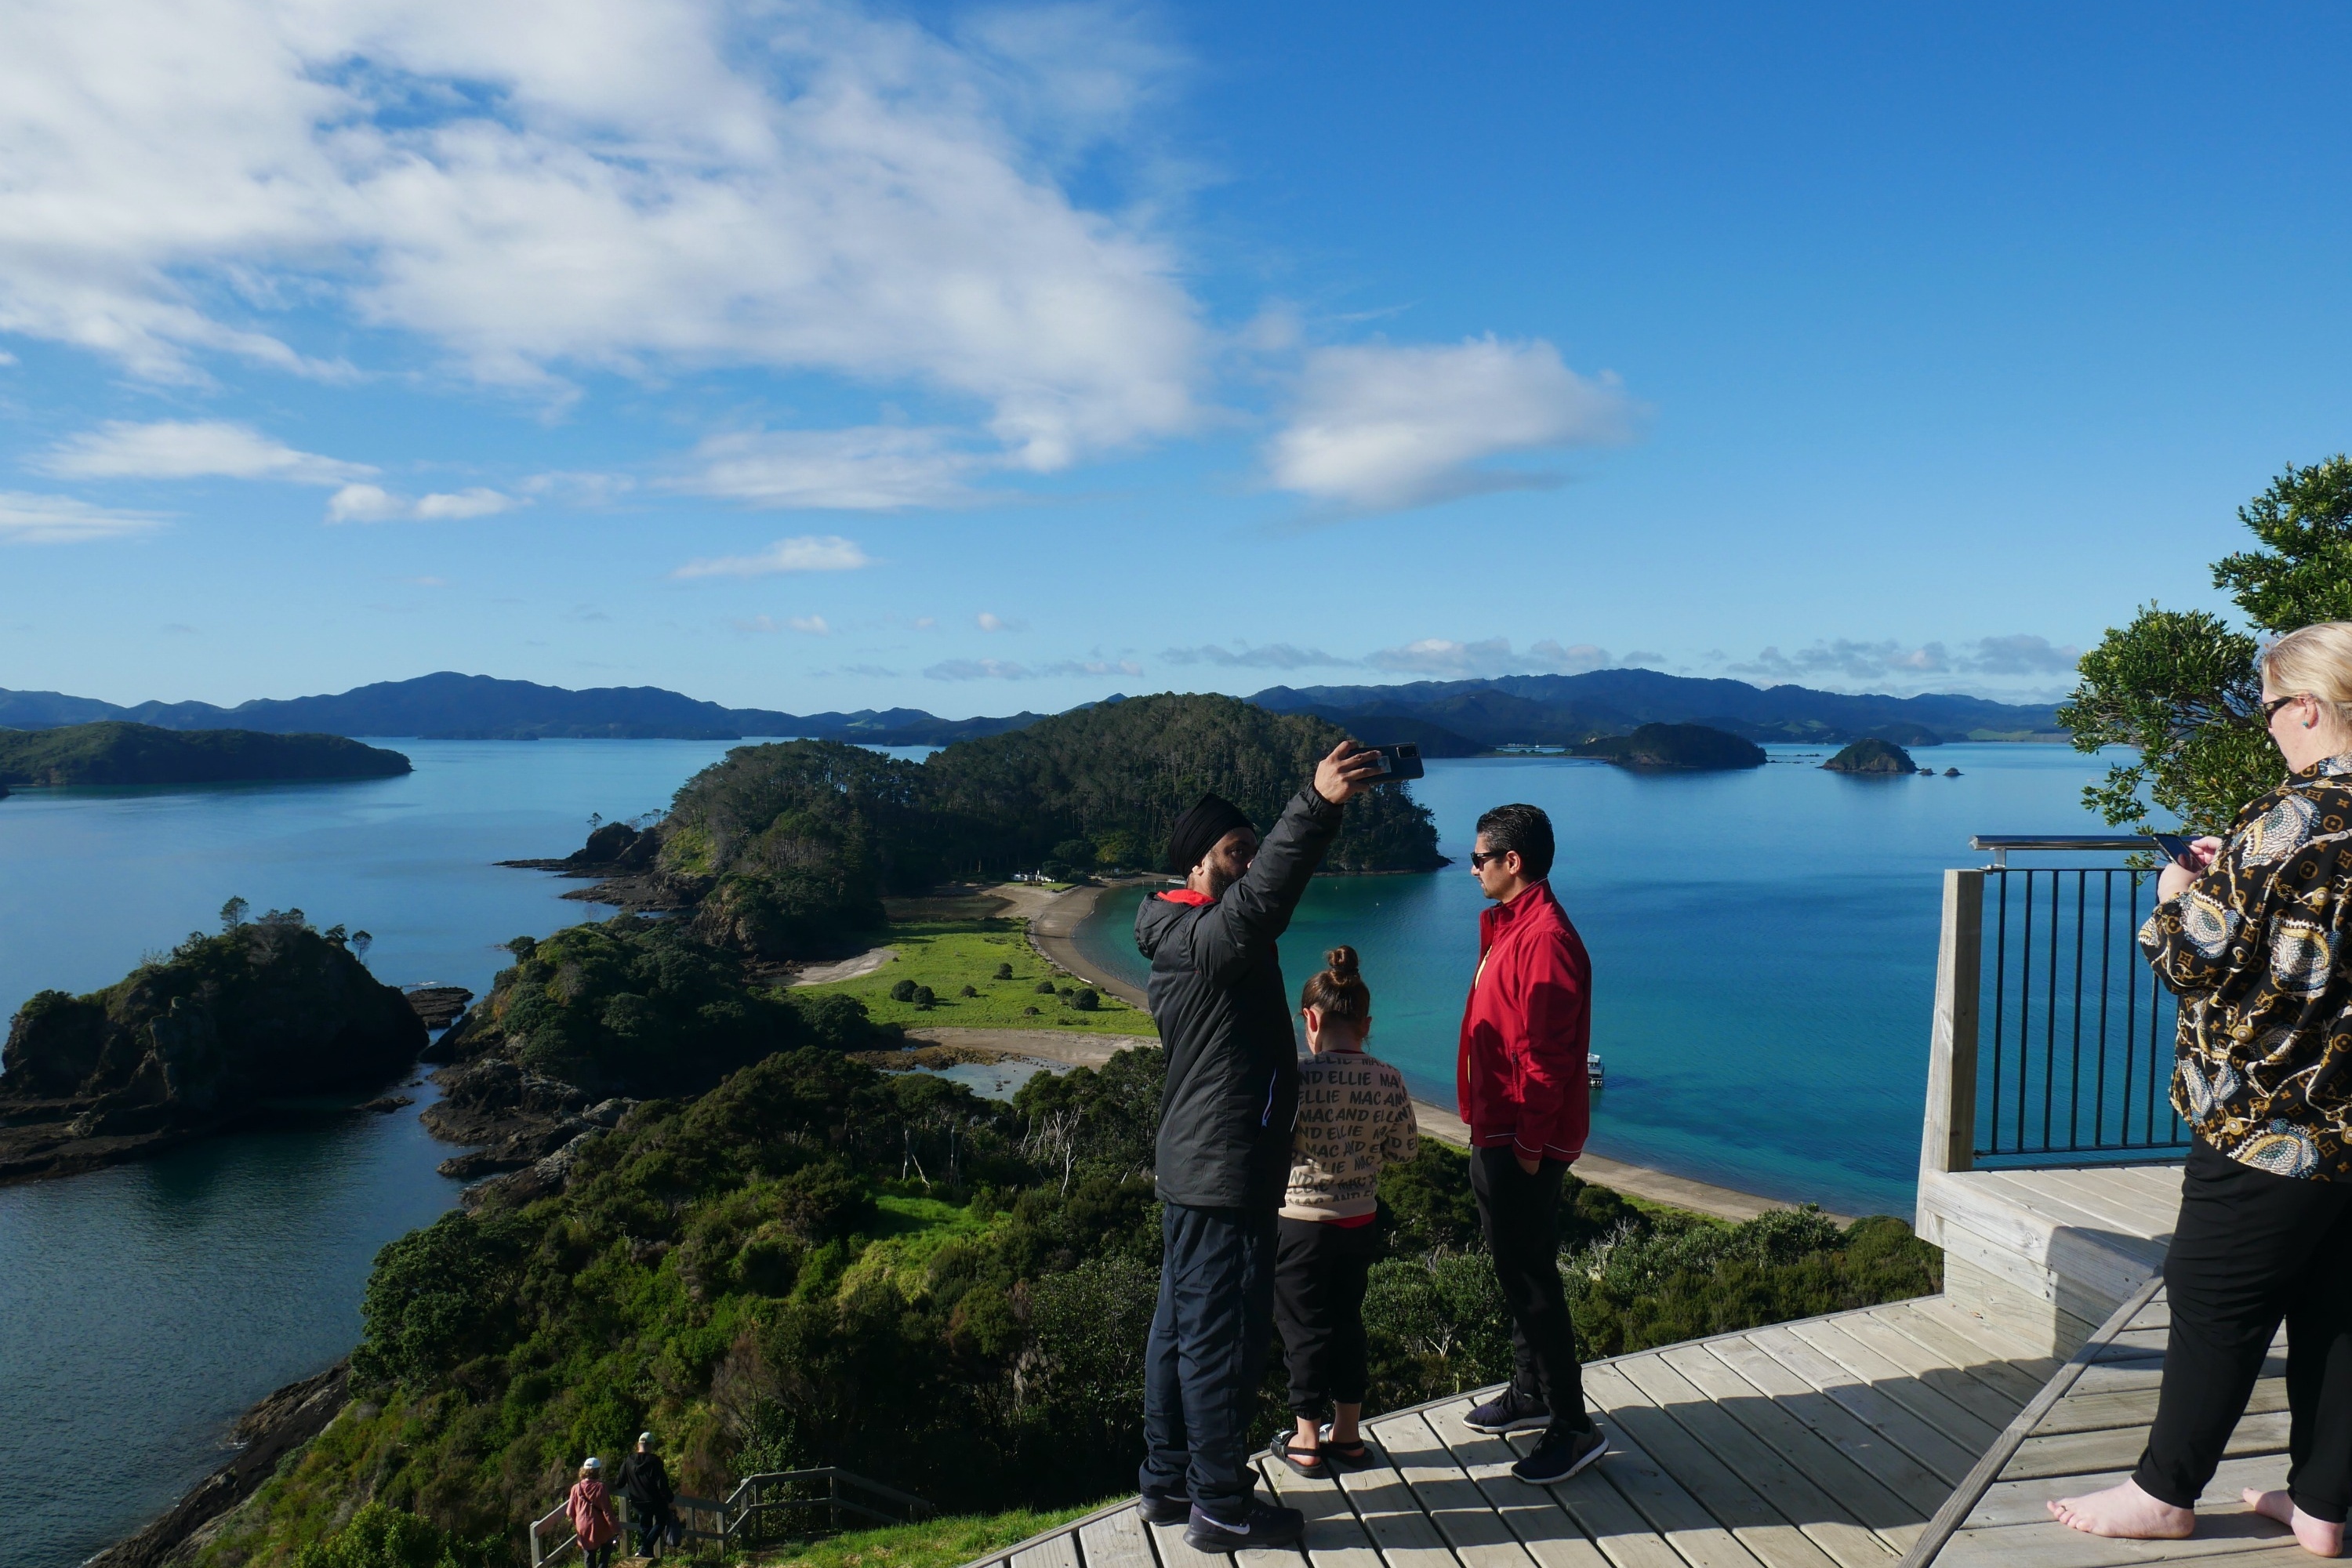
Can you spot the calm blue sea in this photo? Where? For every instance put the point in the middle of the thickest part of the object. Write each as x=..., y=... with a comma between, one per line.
x=142, y=1309
x=1763, y=947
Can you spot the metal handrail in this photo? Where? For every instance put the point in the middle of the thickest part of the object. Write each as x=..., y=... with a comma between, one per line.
x=748, y=1500
x=2000, y=844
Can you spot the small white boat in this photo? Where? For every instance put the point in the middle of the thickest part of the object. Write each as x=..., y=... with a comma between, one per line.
x=1594, y=1071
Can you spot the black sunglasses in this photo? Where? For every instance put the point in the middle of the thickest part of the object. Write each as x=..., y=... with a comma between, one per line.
x=1478, y=859
x=2270, y=711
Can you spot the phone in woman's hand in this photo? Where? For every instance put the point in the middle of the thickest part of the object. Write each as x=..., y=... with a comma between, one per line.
x=2180, y=850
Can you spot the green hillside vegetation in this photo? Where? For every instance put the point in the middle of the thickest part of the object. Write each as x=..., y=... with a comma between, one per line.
x=939, y=960
x=118, y=753
x=1691, y=747
x=1872, y=756
x=784, y=848
x=817, y=1263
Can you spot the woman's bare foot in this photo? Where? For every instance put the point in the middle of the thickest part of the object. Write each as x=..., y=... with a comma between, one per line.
x=2124, y=1510
x=2317, y=1536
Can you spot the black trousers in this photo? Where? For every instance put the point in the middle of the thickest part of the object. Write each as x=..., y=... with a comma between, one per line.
x=1521, y=1216
x=2250, y=1250
x=1206, y=1354
x=1318, y=1306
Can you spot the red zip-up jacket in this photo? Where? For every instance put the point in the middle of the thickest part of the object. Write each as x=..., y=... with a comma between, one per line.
x=1521, y=1078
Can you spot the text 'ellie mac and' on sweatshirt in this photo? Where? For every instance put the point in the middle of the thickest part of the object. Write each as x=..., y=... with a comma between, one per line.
x=1355, y=1120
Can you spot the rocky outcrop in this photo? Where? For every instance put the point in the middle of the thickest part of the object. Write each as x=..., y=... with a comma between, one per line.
x=266, y=1010
x=624, y=862
x=438, y=1006
x=1872, y=756
x=264, y=1436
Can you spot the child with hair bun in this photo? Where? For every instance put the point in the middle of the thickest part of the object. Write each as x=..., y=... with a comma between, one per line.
x=1355, y=1120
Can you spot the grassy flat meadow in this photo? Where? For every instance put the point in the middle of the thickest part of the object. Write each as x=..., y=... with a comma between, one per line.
x=948, y=955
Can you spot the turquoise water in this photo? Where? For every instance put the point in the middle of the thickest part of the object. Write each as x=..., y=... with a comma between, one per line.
x=142, y=1309
x=1763, y=947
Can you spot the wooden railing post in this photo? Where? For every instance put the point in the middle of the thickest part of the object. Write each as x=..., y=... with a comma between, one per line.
x=1948, y=1142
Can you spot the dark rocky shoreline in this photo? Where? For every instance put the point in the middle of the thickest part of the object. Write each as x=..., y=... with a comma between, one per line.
x=263, y=1437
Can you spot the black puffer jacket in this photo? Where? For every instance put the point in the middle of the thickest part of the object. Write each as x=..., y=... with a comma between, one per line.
x=1224, y=1017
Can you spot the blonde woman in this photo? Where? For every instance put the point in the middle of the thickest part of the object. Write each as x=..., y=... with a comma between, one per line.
x=591, y=1510
x=2256, y=937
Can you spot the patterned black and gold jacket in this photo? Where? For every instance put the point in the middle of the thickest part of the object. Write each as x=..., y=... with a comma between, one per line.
x=2260, y=950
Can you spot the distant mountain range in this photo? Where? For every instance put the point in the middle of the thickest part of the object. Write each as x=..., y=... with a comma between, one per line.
x=1449, y=717
x=449, y=706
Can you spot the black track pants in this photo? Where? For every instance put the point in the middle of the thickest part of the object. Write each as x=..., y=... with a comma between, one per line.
x=2250, y=1250
x=1318, y=1306
x=1206, y=1354
x=1520, y=1213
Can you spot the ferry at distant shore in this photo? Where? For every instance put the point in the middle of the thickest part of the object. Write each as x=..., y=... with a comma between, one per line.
x=1593, y=1072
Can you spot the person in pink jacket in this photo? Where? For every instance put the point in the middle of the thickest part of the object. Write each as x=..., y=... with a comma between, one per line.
x=591, y=1510
x=1525, y=1092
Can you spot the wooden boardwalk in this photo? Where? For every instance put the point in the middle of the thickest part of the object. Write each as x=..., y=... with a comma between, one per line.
x=2085, y=1432
x=1827, y=1443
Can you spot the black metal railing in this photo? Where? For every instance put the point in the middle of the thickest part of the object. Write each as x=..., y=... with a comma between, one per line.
x=2076, y=1050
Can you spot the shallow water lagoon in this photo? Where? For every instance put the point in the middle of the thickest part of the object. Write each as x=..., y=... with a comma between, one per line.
x=1763, y=946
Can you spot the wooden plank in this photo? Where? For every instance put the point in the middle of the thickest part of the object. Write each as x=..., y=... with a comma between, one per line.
x=2109, y=1377
x=1939, y=1336
x=1870, y=1449
x=1334, y=1536
x=1054, y=1552
x=2154, y=1206
x=2113, y=1208
x=1855, y=1489
x=1447, y=1494
x=2227, y=1538
x=1948, y=1139
x=2054, y=1197
x=2011, y=1216
x=1117, y=1541
x=2075, y=1453
x=1876, y=1407
x=1908, y=1355
x=1997, y=1331
x=1167, y=1543
x=1732, y=1487
x=2137, y=1407
x=1595, y=1513
x=2026, y=1502
x=1393, y=1517
x=1672, y=1511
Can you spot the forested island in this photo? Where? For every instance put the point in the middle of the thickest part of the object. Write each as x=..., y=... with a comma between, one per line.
x=116, y=753
x=1686, y=747
x=786, y=851
x=190, y=1042
x=1872, y=756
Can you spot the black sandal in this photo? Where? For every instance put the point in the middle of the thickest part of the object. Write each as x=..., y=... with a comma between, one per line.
x=1355, y=1456
x=1312, y=1466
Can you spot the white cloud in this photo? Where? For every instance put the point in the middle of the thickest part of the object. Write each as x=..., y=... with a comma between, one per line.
x=874, y=468
x=1265, y=656
x=26, y=519
x=1006, y=669
x=1378, y=427
x=1484, y=661
x=810, y=552
x=537, y=189
x=187, y=449
x=811, y=625
x=373, y=503
x=2023, y=654
x=988, y=621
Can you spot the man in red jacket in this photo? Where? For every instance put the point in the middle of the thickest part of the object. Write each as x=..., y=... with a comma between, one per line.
x=1525, y=1093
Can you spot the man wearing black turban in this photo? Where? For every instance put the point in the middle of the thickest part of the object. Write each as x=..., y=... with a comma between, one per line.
x=1223, y=1151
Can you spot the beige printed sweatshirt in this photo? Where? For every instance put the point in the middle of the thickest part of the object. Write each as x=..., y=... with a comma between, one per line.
x=1355, y=1120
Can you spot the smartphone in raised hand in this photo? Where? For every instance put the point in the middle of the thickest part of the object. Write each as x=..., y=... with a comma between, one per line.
x=1402, y=761
x=2179, y=851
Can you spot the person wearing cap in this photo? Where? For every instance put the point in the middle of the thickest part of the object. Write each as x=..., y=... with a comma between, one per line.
x=589, y=1509
x=1222, y=1157
x=646, y=1484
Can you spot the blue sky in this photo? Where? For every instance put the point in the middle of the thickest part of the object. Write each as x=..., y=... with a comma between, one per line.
x=825, y=356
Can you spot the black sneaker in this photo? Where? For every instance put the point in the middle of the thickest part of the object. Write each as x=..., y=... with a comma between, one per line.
x=1261, y=1525
x=1173, y=1508
x=1559, y=1456
x=1509, y=1411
